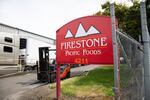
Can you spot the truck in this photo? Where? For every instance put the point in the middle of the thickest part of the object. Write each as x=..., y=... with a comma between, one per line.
x=30, y=54
x=9, y=48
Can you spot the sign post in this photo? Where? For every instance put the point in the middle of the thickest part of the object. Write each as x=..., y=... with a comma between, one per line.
x=58, y=81
x=86, y=40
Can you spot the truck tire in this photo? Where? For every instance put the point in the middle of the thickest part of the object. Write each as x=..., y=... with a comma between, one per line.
x=27, y=68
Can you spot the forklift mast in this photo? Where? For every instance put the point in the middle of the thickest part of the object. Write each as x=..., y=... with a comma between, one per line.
x=43, y=71
x=44, y=58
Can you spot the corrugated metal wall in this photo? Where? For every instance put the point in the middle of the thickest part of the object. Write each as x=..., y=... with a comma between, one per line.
x=24, y=33
x=19, y=33
x=5, y=28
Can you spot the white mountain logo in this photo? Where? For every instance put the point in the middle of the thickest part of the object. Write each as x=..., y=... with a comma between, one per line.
x=81, y=32
x=92, y=30
x=69, y=34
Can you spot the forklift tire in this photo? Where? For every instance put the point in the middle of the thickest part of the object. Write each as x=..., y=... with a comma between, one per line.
x=52, y=78
x=44, y=77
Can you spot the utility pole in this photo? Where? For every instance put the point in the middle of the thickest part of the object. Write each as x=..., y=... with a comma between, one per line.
x=145, y=36
x=115, y=53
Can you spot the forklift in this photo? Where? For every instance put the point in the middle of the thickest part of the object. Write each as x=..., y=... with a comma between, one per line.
x=46, y=71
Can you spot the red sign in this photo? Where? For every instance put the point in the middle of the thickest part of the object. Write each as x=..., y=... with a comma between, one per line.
x=87, y=40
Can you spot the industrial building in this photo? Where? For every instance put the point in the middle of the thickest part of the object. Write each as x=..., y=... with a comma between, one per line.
x=18, y=46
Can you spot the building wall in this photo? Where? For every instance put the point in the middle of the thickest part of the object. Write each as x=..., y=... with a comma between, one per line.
x=8, y=29
x=34, y=41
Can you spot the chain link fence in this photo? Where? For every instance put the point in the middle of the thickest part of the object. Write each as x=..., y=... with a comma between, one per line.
x=131, y=68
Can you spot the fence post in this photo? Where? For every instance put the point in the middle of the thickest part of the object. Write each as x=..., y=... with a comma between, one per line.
x=115, y=53
x=145, y=36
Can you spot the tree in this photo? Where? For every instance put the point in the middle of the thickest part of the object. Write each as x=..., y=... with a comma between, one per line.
x=128, y=17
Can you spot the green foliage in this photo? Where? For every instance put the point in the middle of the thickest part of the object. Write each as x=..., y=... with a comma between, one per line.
x=128, y=17
x=98, y=82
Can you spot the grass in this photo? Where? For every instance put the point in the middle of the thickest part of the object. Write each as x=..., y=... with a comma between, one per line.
x=125, y=75
x=98, y=82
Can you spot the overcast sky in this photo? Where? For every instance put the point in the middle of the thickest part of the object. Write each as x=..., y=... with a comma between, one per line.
x=44, y=17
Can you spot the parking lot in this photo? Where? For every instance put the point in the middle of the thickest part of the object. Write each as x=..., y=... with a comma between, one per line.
x=13, y=86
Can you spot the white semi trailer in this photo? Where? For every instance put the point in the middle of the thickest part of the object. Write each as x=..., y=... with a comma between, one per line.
x=9, y=48
x=31, y=53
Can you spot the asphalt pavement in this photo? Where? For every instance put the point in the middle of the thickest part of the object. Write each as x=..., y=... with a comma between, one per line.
x=80, y=70
x=12, y=87
x=4, y=70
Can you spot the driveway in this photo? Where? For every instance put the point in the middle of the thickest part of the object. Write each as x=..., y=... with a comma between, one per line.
x=79, y=70
x=8, y=69
x=11, y=88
